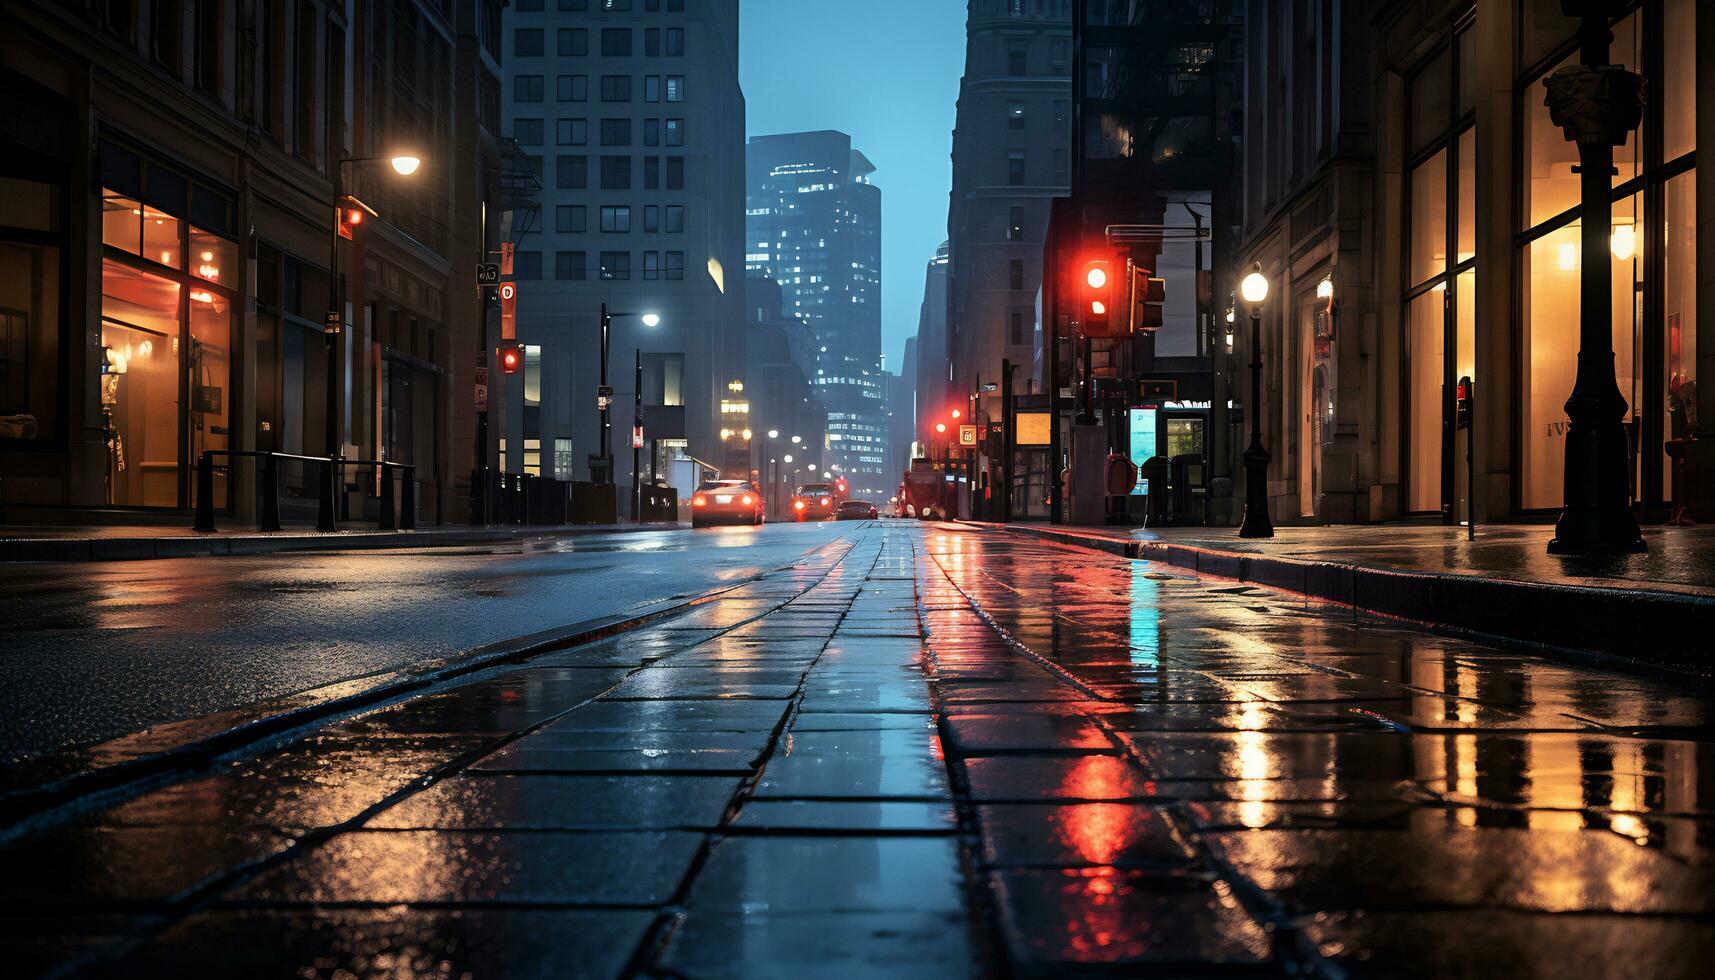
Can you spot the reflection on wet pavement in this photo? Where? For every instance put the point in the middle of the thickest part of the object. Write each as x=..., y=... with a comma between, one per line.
x=935, y=753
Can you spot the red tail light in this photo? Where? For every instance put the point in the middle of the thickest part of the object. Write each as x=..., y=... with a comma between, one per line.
x=827, y=501
x=799, y=504
x=748, y=500
x=699, y=501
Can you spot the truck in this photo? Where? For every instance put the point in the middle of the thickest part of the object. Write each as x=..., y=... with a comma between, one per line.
x=925, y=493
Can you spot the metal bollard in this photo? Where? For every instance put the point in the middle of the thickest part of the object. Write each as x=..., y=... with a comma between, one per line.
x=408, y=500
x=270, y=495
x=388, y=522
x=324, y=511
x=205, y=493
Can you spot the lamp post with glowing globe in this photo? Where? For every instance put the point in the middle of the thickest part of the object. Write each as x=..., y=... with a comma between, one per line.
x=1254, y=289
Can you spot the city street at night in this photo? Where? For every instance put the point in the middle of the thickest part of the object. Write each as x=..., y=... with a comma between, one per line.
x=906, y=490
x=889, y=749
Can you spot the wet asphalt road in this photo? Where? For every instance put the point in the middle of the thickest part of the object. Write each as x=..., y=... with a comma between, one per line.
x=95, y=651
x=930, y=752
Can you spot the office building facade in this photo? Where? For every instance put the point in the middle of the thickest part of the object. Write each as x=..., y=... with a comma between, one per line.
x=632, y=115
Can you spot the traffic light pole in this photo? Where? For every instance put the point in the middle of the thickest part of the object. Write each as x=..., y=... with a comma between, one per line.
x=606, y=426
x=636, y=450
x=325, y=515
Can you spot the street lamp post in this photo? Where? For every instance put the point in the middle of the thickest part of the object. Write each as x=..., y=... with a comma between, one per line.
x=403, y=164
x=603, y=398
x=1596, y=104
x=1256, y=523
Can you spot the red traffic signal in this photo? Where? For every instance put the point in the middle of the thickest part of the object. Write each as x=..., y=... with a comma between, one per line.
x=1095, y=286
x=351, y=213
x=1148, y=296
x=511, y=358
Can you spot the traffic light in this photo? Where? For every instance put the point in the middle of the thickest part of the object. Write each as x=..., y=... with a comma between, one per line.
x=1148, y=294
x=511, y=359
x=1096, y=285
x=349, y=218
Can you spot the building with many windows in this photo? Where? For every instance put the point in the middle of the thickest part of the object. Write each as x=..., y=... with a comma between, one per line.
x=631, y=112
x=1439, y=205
x=168, y=173
x=1012, y=142
x=814, y=226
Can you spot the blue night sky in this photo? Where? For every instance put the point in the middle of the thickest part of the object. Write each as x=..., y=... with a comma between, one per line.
x=886, y=72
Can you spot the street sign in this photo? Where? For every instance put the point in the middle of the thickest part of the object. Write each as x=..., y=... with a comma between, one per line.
x=333, y=323
x=637, y=437
x=482, y=396
x=603, y=396
x=967, y=435
x=507, y=250
x=487, y=273
x=508, y=311
x=482, y=376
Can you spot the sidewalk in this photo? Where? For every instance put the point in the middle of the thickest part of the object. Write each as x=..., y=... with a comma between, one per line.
x=142, y=542
x=1656, y=608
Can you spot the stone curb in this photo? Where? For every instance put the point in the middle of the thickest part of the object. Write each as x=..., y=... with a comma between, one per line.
x=1663, y=630
x=220, y=545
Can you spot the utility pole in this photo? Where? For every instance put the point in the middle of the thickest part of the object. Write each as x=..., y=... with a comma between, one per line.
x=604, y=396
x=637, y=443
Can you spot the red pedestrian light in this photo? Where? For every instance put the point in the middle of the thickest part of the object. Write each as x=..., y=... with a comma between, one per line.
x=511, y=358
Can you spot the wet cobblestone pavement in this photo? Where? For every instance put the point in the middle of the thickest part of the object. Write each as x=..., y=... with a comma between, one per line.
x=929, y=752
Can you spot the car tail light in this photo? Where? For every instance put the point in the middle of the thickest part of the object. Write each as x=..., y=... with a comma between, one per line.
x=748, y=500
x=699, y=501
x=799, y=504
x=826, y=502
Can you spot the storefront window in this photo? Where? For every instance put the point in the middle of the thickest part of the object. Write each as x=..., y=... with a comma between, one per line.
x=1679, y=310
x=122, y=222
x=1551, y=309
x=1425, y=354
x=1550, y=177
x=1653, y=337
x=29, y=311
x=1467, y=178
x=1429, y=219
x=210, y=364
x=140, y=386
x=1677, y=92
x=214, y=258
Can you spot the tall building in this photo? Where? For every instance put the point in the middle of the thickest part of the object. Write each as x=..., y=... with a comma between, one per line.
x=934, y=363
x=780, y=365
x=814, y=226
x=1011, y=157
x=167, y=245
x=632, y=114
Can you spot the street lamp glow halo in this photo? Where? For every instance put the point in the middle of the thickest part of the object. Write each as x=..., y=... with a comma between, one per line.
x=652, y=319
x=405, y=164
x=787, y=458
x=797, y=439
x=773, y=433
x=1325, y=289
x=1255, y=286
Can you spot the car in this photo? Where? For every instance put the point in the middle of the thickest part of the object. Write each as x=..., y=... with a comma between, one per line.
x=813, y=502
x=856, y=510
x=726, y=502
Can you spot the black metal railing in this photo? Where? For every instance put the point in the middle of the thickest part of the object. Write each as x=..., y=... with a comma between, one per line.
x=402, y=517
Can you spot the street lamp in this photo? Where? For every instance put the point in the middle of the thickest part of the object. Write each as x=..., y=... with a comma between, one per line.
x=1256, y=524
x=604, y=394
x=404, y=164
x=1597, y=104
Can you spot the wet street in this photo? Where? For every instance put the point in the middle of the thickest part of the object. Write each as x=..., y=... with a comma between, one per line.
x=892, y=750
x=153, y=642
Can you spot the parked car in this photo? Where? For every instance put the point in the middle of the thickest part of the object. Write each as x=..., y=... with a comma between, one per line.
x=726, y=502
x=856, y=510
